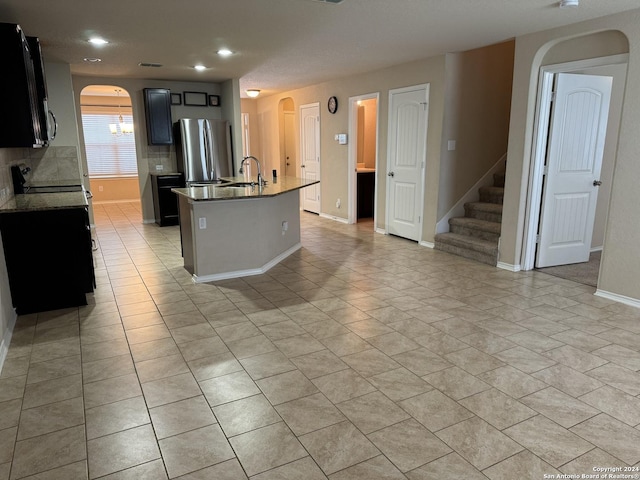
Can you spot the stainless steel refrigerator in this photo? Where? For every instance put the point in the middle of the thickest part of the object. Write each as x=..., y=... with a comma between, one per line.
x=203, y=150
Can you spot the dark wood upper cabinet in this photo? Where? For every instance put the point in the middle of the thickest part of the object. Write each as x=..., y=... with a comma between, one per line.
x=157, y=105
x=21, y=108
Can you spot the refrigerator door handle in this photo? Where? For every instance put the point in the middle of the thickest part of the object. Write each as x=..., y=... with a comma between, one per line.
x=209, y=150
x=205, y=141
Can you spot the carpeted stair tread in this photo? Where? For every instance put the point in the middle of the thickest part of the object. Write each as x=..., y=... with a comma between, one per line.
x=476, y=235
x=470, y=243
x=477, y=224
x=483, y=251
x=491, y=194
x=484, y=207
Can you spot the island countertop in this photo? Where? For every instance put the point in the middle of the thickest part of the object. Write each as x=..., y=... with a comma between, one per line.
x=225, y=192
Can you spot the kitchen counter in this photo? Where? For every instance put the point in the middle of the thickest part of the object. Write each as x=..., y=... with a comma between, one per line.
x=240, y=231
x=220, y=192
x=44, y=201
x=48, y=250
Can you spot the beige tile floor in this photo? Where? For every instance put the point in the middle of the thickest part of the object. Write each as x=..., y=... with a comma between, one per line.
x=362, y=356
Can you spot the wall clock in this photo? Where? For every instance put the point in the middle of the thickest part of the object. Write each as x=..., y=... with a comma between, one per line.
x=332, y=105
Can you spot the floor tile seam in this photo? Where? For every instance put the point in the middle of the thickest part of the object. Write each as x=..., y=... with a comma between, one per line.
x=13, y=457
x=263, y=471
x=591, y=443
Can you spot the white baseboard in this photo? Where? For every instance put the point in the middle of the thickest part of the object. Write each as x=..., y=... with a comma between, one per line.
x=471, y=196
x=424, y=243
x=381, y=231
x=633, y=302
x=596, y=249
x=508, y=266
x=331, y=217
x=5, y=341
x=246, y=273
x=146, y=221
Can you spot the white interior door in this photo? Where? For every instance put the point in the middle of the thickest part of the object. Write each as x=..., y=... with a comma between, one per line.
x=310, y=158
x=406, y=160
x=290, y=165
x=574, y=159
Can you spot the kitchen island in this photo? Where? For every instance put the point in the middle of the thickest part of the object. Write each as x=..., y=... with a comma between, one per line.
x=234, y=230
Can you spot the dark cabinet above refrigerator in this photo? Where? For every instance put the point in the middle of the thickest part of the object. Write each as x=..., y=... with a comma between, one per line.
x=23, y=84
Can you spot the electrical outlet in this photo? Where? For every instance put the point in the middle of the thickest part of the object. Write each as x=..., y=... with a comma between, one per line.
x=100, y=188
x=202, y=223
x=338, y=203
x=159, y=168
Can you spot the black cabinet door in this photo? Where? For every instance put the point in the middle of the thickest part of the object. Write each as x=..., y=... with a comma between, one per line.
x=49, y=258
x=165, y=202
x=157, y=104
x=20, y=108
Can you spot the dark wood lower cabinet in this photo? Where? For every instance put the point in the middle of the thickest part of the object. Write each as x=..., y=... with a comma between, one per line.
x=49, y=258
x=366, y=188
x=165, y=202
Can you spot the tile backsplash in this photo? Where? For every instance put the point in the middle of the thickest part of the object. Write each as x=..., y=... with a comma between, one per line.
x=164, y=155
x=49, y=163
x=53, y=163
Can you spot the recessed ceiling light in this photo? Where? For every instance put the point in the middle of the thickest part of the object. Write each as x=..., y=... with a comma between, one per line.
x=92, y=59
x=224, y=52
x=200, y=68
x=569, y=3
x=98, y=41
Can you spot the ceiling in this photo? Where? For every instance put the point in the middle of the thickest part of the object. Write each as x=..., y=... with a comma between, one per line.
x=278, y=44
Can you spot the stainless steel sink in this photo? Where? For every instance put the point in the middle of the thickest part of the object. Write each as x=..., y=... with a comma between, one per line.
x=213, y=183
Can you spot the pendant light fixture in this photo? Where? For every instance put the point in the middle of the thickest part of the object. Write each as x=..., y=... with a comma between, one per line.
x=120, y=128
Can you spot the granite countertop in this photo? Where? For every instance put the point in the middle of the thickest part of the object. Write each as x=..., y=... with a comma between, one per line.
x=220, y=192
x=44, y=201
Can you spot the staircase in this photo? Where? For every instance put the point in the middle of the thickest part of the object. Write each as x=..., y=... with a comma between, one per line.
x=476, y=235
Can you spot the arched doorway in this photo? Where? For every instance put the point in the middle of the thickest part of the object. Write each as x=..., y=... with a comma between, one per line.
x=569, y=57
x=109, y=141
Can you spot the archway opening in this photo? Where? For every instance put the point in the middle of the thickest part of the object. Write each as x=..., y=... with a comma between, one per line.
x=110, y=147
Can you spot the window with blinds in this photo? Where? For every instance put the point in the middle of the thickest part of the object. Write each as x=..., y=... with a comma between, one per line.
x=108, y=155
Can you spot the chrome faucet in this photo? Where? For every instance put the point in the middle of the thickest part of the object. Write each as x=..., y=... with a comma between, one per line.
x=261, y=181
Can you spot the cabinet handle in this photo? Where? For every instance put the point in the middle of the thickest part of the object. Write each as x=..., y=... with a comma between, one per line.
x=88, y=194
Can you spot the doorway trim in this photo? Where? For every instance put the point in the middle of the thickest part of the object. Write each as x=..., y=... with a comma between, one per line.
x=539, y=146
x=426, y=87
x=352, y=176
x=318, y=135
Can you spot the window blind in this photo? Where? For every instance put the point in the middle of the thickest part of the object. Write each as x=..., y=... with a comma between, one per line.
x=108, y=155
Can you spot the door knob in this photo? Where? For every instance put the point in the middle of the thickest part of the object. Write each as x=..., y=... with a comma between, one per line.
x=391, y=174
x=302, y=166
x=597, y=183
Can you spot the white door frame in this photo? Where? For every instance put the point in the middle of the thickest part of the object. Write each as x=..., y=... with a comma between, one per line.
x=426, y=88
x=318, y=139
x=539, y=147
x=352, y=214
